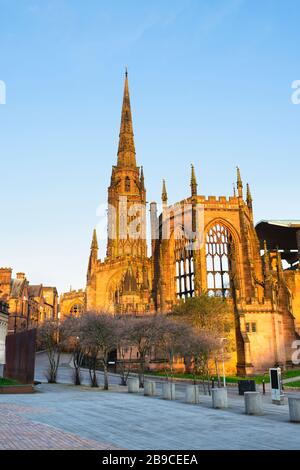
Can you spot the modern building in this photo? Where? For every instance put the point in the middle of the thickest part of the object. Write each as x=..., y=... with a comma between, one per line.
x=284, y=236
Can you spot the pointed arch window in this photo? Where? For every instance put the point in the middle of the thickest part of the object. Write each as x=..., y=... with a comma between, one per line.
x=184, y=273
x=218, y=250
x=76, y=309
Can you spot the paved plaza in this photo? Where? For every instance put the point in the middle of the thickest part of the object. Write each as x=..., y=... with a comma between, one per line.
x=64, y=416
x=17, y=432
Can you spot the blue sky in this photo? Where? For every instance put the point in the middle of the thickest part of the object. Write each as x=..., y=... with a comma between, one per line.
x=210, y=83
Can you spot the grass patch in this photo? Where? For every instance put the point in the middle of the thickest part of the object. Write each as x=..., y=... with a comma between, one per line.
x=258, y=379
x=4, y=381
x=230, y=379
x=293, y=384
x=233, y=378
x=289, y=374
x=177, y=375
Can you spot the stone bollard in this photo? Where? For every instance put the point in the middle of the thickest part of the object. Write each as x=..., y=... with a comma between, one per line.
x=133, y=385
x=294, y=408
x=219, y=398
x=192, y=394
x=149, y=388
x=253, y=403
x=169, y=391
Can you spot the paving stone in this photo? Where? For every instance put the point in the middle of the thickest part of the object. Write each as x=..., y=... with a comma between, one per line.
x=65, y=416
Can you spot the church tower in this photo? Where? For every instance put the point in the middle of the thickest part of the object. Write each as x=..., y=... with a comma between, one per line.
x=122, y=281
x=220, y=256
x=126, y=194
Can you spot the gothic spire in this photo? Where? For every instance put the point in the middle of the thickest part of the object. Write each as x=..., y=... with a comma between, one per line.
x=93, y=256
x=266, y=257
x=164, y=194
x=239, y=182
x=249, y=197
x=193, y=182
x=94, y=245
x=126, y=150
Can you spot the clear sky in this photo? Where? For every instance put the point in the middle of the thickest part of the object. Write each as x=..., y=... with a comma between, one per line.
x=210, y=83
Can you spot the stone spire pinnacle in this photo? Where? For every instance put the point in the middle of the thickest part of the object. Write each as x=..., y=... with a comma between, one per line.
x=193, y=182
x=279, y=263
x=93, y=256
x=266, y=257
x=142, y=179
x=94, y=245
x=164, y=194
x=239, y=182
x=267, y=268
x=249, y=197
x=126, y=150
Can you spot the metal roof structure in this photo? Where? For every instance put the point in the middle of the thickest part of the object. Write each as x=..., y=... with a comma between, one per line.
x=283, y=235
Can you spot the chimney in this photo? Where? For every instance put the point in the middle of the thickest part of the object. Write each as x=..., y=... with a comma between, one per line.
x=20, y=275
x=5, y=280
x=5, y=275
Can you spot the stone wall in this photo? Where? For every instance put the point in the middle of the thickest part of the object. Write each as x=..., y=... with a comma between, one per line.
x=3, y=332
x=293, y=282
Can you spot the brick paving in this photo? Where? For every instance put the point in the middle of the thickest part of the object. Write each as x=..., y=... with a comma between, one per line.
x=64, y=416
x=67, y=417
x=19, y=433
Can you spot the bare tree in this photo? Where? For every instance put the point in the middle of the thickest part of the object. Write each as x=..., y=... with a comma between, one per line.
x=51, y=337
x=144, y=335
x=72, y=328
x=124, y=346
x=99, y=338
x=171, y=341
x=201, y=347
x=92, y=355
x=211, y=315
